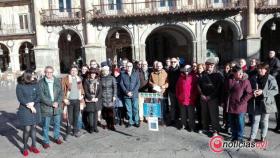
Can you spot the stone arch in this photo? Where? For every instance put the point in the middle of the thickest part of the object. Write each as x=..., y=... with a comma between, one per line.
x=238, y=35
x=262, y=23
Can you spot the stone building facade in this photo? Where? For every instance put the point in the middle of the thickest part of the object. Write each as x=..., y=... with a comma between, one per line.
x=61, y=32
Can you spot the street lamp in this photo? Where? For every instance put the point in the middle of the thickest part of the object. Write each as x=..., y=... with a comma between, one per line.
x=26, y=50
x=117, y=35
x=273, y=26
x=219, y=30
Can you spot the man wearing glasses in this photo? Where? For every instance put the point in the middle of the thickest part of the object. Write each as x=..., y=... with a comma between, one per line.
x=130, y=84
x=51, y=100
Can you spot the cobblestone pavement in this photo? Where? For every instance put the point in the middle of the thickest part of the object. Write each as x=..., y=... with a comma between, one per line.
x=132, y=142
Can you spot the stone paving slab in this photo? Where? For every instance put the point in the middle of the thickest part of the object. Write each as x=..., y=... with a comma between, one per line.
x=123, y=143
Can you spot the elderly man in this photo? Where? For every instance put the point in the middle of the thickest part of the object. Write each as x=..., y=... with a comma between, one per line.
x=130, y=84
x=210, y=86
x=159, y=83
x=51, y=102
x=173, y=76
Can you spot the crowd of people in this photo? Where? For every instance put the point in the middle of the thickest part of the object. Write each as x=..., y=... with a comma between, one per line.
x=192, y=95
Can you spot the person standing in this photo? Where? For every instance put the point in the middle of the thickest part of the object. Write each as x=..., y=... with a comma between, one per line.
x=159, y=83
x=51, y=105
x=265, y=88
x=274, y=65
x=173, y=75
x=186, y=92
x=238, y=92
x=130, y=84
x=210, y=86
x=29, y=114
x=93, y=91
x=108, y=96
x=144, y=75
x=73, y=99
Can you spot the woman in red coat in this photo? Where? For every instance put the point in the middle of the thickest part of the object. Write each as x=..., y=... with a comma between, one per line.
x=186, y=93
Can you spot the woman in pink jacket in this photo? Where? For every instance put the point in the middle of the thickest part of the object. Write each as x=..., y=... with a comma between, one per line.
x=186, y=93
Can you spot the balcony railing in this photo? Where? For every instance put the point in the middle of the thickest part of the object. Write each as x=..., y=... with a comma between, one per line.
x=161, y=6
x=268, y=6
x=61, y=16
x=13, y=29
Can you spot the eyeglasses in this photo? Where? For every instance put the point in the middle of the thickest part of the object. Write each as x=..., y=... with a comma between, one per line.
x=173, y=61
x=50, y=72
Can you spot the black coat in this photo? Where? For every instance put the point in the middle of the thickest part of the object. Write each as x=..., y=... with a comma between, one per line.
x=92, y=106
x=274, y=65
x=27, y=93
x=109, y=90
x=173, y=76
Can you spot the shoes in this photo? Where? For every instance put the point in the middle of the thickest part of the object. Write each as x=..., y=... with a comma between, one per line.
x=90, y=130
x=34, y=150
x=58, y=141
x=128, y=125
x=78, y=134
x=25, y=152
x=251, y=140
x=190, y=130
x=96, y=130
x=66, y=137
x=215, y=134
x=46, y=145
x=137, y=125
x=262, y=139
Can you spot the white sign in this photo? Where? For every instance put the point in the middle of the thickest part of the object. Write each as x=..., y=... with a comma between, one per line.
x=153, y=123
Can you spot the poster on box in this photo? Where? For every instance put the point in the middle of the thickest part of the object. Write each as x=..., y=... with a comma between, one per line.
x=152, y=110
x=153, y=123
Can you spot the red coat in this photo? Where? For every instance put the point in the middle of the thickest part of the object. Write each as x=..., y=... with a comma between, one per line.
x=186, y=89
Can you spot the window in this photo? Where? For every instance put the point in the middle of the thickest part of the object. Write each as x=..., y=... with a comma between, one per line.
x=23, y=21
x=115, y=4
x=165, y=3
x=65, y=4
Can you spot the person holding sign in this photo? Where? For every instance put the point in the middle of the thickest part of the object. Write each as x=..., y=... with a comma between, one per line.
x=130, y=84
x=159, y=83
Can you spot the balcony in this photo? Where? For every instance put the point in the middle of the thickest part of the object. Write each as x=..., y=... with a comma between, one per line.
x=13, y=29
x=161, y=7
x=72, y=16
x=267, y=6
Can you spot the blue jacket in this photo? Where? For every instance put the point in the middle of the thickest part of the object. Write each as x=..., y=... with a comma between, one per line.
x=130, y=84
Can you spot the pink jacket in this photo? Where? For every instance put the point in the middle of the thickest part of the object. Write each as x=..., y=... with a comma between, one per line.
x=186, y=89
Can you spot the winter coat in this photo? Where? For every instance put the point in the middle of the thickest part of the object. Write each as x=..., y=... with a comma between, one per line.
x=130, y=84
x=90, y=105
x=144, y=82
x=159, y=79
x=27, y=93
x=211, y=85
x=66, y=87
x=46, y=103
x=267, y=105
x=238, y=94
x=109, y=90
x=173, y=76
x=274, y=65
x=186, y=89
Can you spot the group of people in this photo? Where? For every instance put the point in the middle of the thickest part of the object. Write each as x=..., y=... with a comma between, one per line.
x=190, y=93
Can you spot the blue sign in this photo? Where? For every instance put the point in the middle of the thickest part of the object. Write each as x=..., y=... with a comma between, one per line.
x=152, y=110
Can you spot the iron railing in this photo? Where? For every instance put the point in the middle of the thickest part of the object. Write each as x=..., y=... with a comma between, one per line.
x=267, y=3
x=160, y=6
x=13, y=29
x=61, y=16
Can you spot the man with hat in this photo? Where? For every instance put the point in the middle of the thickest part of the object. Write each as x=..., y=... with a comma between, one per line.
x=186, y=93
x=210, y=85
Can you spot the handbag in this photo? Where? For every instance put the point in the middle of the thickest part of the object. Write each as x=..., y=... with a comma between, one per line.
x=118, y=103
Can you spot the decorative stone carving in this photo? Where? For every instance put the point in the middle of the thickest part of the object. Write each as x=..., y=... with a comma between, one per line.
x=260, y=17
x=238, y=18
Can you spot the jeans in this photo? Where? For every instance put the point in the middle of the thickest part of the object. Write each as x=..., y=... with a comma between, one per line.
x=73, y=116
x=263, y=118
x=237, y=125
x=46, y=125
x=132, y=110
x=80, y=121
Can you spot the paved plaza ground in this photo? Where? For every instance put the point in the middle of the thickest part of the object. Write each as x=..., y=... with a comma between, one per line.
x=132, y=142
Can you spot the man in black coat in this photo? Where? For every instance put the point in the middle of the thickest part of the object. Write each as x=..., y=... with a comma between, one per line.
x=173, y=75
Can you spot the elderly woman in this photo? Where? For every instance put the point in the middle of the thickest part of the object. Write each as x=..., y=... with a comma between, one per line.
x=265, y=88
x=108, y=96
x=92, y=88
x=28, y=95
